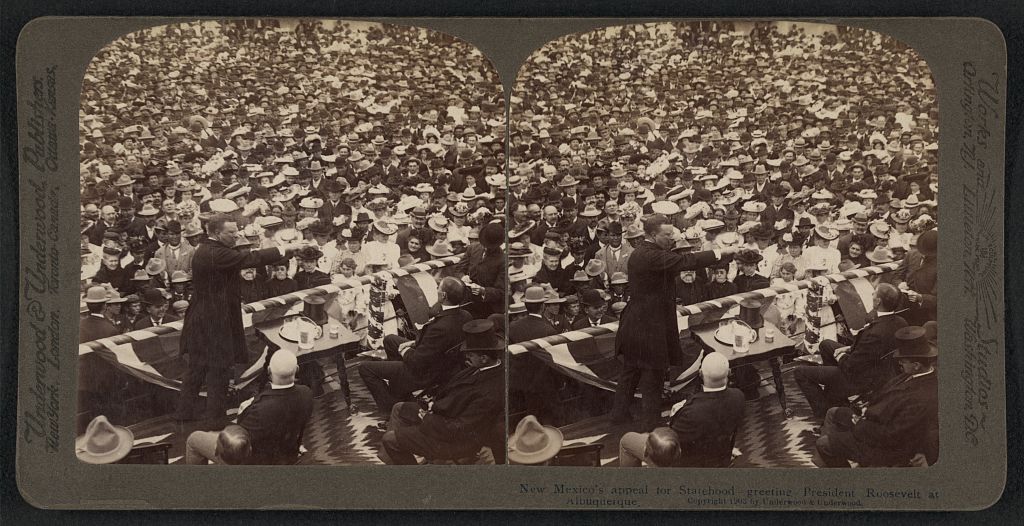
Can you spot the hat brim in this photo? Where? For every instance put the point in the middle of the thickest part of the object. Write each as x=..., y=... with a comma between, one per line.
x=555, y=440
x=125, y=443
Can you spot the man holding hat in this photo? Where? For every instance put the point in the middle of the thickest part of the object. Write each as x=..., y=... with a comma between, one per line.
x=212, y=335
x=467, y=414
x=648, y=337
x=897, y=421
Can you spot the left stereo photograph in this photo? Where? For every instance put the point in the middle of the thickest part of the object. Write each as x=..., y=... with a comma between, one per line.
x=292, y=247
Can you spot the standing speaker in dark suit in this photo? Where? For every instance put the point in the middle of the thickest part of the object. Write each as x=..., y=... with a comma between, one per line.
x=648, y=336
x=212, y=335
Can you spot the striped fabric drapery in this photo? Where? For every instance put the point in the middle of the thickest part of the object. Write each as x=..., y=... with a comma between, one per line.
x=588, y=355
x=152, y=354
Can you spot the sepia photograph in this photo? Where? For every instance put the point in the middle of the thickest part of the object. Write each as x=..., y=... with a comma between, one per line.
x=292, y=247
x=723, y=249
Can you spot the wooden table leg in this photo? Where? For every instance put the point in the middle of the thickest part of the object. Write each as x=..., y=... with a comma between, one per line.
x=780, y=389
x=346, y=391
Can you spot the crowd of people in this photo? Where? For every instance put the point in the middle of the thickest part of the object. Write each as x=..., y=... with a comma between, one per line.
x=771, y=152
x=224, y=163
x=648, y=166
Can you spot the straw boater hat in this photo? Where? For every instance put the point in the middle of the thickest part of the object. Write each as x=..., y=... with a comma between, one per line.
x=533, y=443
x=103, y=442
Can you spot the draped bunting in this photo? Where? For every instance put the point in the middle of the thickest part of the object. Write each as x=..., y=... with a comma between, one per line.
x=152, y=354
x=586, y=355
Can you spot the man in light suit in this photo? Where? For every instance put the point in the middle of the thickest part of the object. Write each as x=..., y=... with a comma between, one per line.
x=175, y=254
x=615, y=254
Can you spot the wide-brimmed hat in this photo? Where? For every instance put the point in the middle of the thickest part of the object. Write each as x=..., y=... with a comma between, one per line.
x=748, y=257
x=901, y=216
x=517, y=308
x=385, y=227
x=912, y=342
x=755, y=207
x=103, y=442
x=180, y=276
x=535, y=294
x=480, y=336
x=96, y=294
x=155, y=267
x=147, y=210
x=826, y=232
x=580, y=276
x=309, y=253
x=438, y=223
x=633, y=231
x=595, y=267
x=521, y=229
x=440, y=249
x=619, y=278
x=533, y=443
x=880, y=255
x=590, y=211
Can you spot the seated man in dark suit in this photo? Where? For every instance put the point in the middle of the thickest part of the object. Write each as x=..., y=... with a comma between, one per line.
x=704, y=425
x=428, y=361
x=856, y=369
x=466, y=412
x=274, y=418
x=594, y=308
x=156, y=309
x=899, y=418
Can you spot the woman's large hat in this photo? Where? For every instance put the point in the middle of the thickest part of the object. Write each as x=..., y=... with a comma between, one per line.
x=103, y=442
x=440, y=249
x=521, y=228
x=533, y=443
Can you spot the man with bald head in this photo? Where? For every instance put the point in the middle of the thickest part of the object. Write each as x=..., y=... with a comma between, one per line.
x=273, y=422
x=429, y=360
x=859, y=368
x=701, y=430
x=107, y=219
x=550, y=221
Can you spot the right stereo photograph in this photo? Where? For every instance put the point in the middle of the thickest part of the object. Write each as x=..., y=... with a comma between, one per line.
x=722, y=249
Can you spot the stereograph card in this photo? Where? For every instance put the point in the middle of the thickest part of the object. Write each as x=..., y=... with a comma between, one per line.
x=431, y=263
